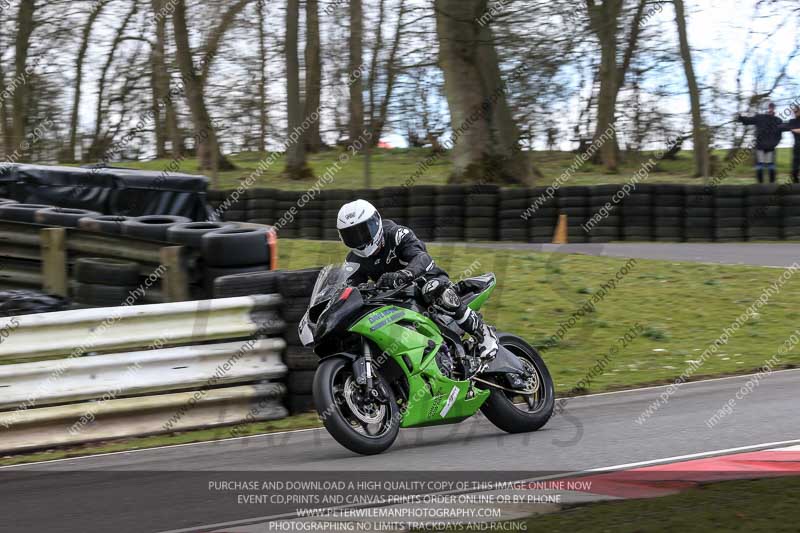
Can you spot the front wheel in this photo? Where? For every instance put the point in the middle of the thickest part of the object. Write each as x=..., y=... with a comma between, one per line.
x=516, y=413
x=361, y=424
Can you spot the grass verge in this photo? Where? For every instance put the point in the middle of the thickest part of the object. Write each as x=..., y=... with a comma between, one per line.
x=394, y=167
x=679, y=309
x=758, y=505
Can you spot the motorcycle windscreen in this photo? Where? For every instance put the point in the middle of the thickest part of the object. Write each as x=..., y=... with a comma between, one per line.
x=304, y=329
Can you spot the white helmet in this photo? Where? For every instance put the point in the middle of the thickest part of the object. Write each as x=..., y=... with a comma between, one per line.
x=360, y=227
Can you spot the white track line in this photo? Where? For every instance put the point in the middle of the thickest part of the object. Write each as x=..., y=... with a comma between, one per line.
x=627, y=466
x=266, y=435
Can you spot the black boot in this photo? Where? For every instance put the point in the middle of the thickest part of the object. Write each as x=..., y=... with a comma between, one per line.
x=760, y=175
x=473, y=324
x=772, y=175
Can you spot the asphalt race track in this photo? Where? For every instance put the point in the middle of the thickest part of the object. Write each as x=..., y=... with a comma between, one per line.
x=167, y=489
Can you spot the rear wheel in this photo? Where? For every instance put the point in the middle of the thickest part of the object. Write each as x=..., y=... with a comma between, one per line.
x=518, y=413
x=363, y=425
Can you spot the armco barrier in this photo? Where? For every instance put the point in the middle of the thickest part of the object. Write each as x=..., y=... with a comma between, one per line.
x=169, y=383
x=68, y=333
x=485, y=212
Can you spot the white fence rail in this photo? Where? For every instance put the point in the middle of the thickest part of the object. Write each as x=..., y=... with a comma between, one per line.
x=72, y=333
x=151, y=375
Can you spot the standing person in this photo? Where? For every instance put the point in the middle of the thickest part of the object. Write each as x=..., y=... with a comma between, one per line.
x=769, y=131
x=794, y=127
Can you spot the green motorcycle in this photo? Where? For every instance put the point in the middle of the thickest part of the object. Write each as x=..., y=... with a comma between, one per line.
x=388, y=363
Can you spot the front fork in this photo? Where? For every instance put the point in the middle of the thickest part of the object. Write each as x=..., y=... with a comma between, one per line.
x=364, y=372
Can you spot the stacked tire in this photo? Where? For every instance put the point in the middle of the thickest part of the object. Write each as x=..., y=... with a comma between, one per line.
x=151, y=227
x=668, y=213
x=233, y=209
x=21, y=212
x=286, y=214
x=763, y=213
x=261, y=206
x=480, y=217
x=332, y=201
x=104, y=282
x=637, y=221
x=730, y=221
x=512, y=204
x=790, y=212
x=608, y=225
x=698, y=217
x=421, y=211
x=312, y=216
x=575, y=203
x=393, y=204
x=450, y=212
x=295, y=289
x=235, y=250
x=62, y=216
x=542, y=215
x=110, y=224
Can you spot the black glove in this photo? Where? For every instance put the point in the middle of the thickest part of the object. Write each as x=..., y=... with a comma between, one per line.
x=395, y=280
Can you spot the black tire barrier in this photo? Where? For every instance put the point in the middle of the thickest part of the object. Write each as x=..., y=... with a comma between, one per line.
x=300, y=382
x=300, y=358
x=212, y=273
x=21, y=212
x=111, y=224
x=247, y=284
x=107, y=271
x=62, y=216
x=298, y=283
x=300, y=403
x=101, y=295
x=191, y=233
x=151, y=227
x=6, y=201
x=236, y=247
x=293, y=309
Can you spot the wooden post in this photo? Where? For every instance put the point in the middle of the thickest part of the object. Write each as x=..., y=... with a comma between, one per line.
x=561, y=235
x=54, y=261
x=174, y=282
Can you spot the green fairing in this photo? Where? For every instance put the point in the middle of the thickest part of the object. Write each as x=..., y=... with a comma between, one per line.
x=479, y=300
x=433, y=398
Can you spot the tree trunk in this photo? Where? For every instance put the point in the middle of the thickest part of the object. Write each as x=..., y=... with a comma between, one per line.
x=69, y=153
x=698, y=128
x=313, y=76
x=485, y=135
x=356, y=126
x=391, y=78
x=205, y=135
x=25, y=24
x=99, y=139
x=5, y=125
x=262, y=80
x=296, y=167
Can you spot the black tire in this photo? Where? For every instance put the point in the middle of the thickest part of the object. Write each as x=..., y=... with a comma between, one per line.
x=300, y=382
x=500, y=408
x=107, y=271
x=300, y=403
x=111, y=224
x=101, y=295
x=62, y=216
x=247, y=284
x=236, y=247
x=293, y=310
x=298, y=283
x=334, y=411
x=300, y=358
x=212, y=272
x=151, y=227
x=21, y=212
x=191, y=233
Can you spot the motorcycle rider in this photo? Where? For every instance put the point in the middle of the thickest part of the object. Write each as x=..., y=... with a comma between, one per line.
x=392, y=256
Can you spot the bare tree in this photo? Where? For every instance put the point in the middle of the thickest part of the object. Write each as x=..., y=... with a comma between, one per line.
x=22, y=92
x=487, y=138
x=313, y=77
x=699, y=133
x=356, y=123
x=206, y=140
x=296, y=165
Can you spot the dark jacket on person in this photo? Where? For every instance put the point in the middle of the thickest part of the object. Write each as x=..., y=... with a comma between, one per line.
x=401, y=250
x=794, y=124
x=769, y=130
